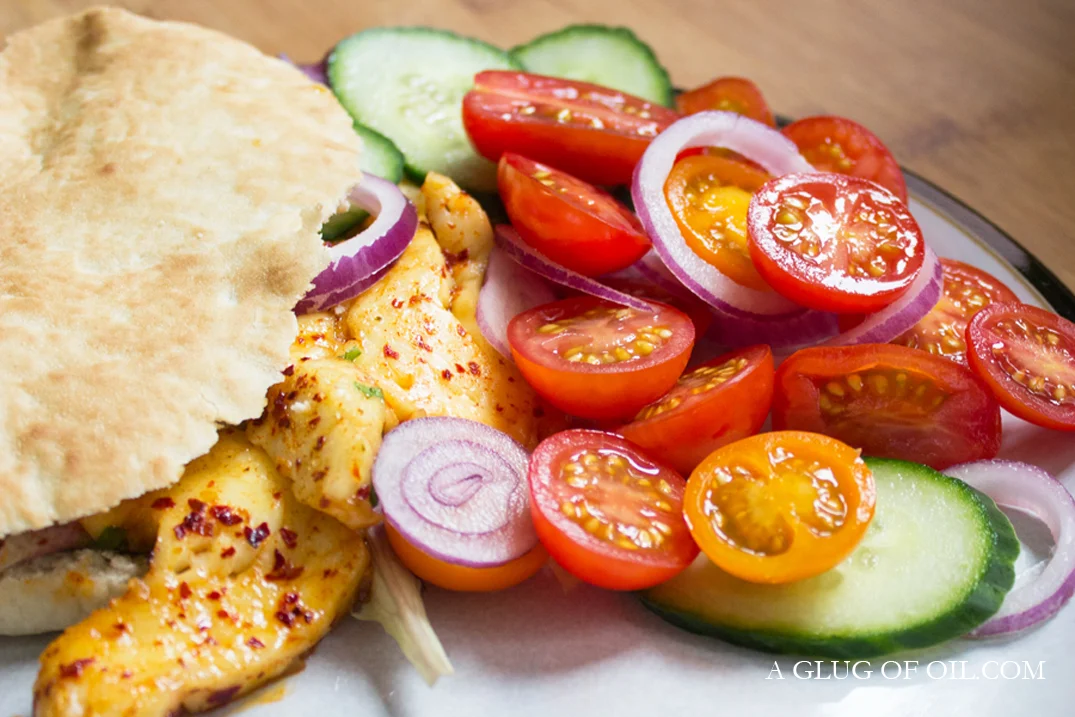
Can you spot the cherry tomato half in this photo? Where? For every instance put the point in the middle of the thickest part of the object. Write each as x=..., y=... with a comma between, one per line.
x=834, y=243
x=1027, y=357
x=780, y=507
x=460, y=577
x=606, y=513
x=709, y=197
x=967, y=290
x=700, y=313
x=591, y=132
x=714, y=404
x=571, y=222
x=731, y=94
x=890, y=401
x=835, y=144
x=595, y=359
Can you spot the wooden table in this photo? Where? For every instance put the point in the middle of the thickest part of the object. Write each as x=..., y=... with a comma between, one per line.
x=976, y=95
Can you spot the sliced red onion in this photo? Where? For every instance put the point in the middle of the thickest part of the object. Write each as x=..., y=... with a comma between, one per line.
x=525, y=255
x=457, y=490
x=315, y=72
x=16, y=549
x=758, y=142
x=509, y=290
x=357, y=263
x=899, y=316
x=1030, y=489
x=651, y=268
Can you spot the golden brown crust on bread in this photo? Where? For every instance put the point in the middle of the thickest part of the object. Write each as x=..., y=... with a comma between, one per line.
x=161, y=191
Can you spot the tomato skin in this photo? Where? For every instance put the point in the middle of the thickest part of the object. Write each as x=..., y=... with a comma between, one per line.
x=561, y=132
x=731, y=94
x=584, y=228
x=613, y=391
x=821, y=254
x=883, y=418
x=683, y=436
x=994, y=354
x=584, y=554
x=836, y=144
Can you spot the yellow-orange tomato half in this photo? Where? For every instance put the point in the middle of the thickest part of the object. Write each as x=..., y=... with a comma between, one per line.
x=780, y=507
x=460, y=577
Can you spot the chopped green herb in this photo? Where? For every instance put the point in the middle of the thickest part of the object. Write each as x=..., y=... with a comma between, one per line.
x=351, y=354
x=371, y=391
x=373, y=498
x=111, y=538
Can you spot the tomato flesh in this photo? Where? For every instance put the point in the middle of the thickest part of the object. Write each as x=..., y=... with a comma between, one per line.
x=595, y=359
x=709, y=197
x=714, y=404
x=571, y=222
x=834, y=243
x=890, y=401
x=606, y=513
x=730, y=94
x=967, y=290
x=780, y=507
x=836, y=144
x=591, y=132
x=1026, y=355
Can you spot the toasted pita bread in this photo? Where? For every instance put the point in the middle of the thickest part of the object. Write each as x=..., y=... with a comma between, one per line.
x=161, y=191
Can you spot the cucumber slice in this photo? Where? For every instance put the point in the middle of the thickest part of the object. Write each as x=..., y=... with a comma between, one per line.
x=609, y=56
x=936, y=561
x=381, y=157
x=408, y=84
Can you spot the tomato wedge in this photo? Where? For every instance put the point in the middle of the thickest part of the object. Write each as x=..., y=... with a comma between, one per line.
x=595, y=359
x=606, y=513
x=709, y=197
x=571, y=222
x=714, y=404
x=836, y=144
x=591, y=132
x=731, y=94
x=890, y=401
x=967, y=290
x=1027, y=357
x=833, y=242
x=780, y=507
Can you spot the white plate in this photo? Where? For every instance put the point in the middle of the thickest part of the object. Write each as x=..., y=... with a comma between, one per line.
x=538, y=651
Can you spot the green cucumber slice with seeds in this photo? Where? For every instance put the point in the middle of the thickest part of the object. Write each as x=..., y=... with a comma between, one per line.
x=609, y=56
x=408, y=84
x=380, y=157
x=936, y=562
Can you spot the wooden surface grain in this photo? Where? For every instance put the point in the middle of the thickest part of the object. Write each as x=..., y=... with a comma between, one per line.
x=975, y=95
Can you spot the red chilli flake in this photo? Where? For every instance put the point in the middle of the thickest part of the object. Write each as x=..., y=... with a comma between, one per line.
x=256, y=536
x=460, y=330
x=222, y=614
x=225, y=515
x=184, y=591
x=255, y=643
x=391, y=353
x=475, y=369
x=162, y=503
x=446, y=374
x=282, y=569
x=214, y=595
x=290, y=370
x=290, y=537
x=222, y=696
x=228, y=551
x=74, y=669
x=196, y=505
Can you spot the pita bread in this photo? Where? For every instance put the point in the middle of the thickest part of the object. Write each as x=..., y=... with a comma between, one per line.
x=161, y=191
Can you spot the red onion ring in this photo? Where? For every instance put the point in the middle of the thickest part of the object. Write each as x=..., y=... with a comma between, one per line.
x=754, y=140
x=509, y=290
x=1030, y=489
x=525, y=255
x=457, y=490
x=357, y=263
x=315, y=72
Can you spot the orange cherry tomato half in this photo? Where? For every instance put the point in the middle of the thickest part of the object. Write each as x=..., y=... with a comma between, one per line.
x=731, y=94
x=1027, y=357
x=709, y=197
x=595, y=359
x=967, y=290
x=712, y=405
x=780, y=507
x=833, y=242
x=606, y=513
x=836, y=144
x=890, y=401
x=460, y=577
x=571, y=222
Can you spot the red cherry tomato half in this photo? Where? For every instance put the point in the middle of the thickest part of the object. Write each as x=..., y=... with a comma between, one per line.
x=712, y=405
x=1027, y=357
x=606, y=513
x=890, y=401
x=571, y=222
x=595, y=359
x=835, y=144
x=731, y=94
x=833, y=242
x=591, y=132
x=700, y=313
